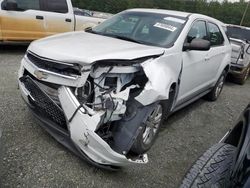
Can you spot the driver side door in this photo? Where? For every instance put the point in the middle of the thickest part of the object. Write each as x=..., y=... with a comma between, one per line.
x=195, y=73
x=24, y=24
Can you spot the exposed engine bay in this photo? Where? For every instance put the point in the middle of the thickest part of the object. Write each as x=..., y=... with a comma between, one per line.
x=108, y=90
x=96, y=104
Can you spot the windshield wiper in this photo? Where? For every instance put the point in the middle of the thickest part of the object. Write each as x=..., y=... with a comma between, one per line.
x=89, y=30
x=126, y=38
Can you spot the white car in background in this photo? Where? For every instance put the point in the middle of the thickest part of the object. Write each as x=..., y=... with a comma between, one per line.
x=104, y=92
x=240, y=41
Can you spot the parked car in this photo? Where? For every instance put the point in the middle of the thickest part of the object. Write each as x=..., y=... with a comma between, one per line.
x=226, y=164
x=240, y=40
x=107, y=90
x=29, y=20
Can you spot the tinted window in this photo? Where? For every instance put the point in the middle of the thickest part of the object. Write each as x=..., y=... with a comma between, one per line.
x=28, y=4
x=198, y=31
x=59, y=6
x=215, y=35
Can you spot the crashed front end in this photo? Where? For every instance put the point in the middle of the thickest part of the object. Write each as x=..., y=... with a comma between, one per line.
x=240, y=59
x=94, y=110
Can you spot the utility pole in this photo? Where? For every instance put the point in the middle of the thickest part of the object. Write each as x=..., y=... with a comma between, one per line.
x=244, y=15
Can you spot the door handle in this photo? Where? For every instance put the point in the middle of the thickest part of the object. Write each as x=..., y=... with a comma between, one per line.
x=207, y=58
x=67, y=20
x=39, y=17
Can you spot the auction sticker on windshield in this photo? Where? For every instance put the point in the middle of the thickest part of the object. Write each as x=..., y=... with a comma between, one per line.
x=165, y=26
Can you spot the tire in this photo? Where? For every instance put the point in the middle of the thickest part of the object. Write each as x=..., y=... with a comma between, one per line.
x=243, y=78
x=150, y=131
x=214, y=94
x=213, y=169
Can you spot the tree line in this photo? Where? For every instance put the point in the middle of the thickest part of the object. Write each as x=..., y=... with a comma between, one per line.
x=228, y=12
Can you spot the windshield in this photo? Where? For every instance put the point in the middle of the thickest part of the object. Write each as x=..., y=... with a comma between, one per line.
x=144, y=28
x=238, y=33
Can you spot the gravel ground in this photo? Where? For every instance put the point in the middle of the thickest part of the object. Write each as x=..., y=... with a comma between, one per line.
x=32, y=158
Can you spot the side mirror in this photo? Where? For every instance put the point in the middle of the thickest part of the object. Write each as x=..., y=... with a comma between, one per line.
x=197, y=44
x=9, y=5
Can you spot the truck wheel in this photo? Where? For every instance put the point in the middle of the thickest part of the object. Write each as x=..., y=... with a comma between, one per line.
x=150, y=131
x=216, y=91
x=212, y=169
x=243, y=78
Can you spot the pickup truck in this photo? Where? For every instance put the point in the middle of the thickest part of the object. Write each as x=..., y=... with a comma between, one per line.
x=240, y=62
x=28, y=20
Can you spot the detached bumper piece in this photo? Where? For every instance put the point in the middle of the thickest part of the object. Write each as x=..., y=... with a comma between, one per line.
x=77, y=135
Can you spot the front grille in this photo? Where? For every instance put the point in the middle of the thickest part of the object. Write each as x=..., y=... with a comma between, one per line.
x=43, y=104
x=54, y=66
x=49, y=89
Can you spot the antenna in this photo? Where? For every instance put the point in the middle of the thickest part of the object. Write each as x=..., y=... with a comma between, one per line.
x=244, y=15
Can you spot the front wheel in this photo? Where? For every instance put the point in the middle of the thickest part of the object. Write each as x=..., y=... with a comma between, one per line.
x=150, y=130
x=216, y=91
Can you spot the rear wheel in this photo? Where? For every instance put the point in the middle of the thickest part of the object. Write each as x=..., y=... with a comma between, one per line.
x=216, y=91
x=212, y=169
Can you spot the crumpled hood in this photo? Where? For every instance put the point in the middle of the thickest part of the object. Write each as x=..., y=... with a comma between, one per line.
x=86, y=48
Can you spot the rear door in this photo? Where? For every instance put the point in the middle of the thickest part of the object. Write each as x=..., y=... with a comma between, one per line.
x=59, y=16
x=23, y=24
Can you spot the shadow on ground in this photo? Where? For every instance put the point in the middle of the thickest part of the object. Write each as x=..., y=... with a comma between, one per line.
x=13, y=48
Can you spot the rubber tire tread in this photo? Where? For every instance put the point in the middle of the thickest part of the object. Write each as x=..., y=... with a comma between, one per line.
x=212, y=169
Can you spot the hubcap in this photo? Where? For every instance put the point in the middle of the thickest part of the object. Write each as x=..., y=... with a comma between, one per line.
x=219, y=87
x=152, y=125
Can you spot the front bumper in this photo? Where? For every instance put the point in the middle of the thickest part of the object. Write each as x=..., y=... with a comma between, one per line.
x=238, y=69
x=79, y=134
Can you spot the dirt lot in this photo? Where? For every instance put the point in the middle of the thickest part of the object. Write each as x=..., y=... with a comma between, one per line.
x=32, y=158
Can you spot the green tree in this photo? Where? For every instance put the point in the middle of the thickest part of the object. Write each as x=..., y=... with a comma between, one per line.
x=227, y=11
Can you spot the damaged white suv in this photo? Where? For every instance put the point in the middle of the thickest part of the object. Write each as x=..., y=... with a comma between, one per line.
x=104, y=93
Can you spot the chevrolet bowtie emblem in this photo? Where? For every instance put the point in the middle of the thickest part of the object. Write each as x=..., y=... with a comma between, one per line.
x=41, y=75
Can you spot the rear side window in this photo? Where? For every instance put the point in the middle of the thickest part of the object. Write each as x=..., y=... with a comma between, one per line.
x=197, y=31
x=59, y=6
x=28, y=5
x=216, y=38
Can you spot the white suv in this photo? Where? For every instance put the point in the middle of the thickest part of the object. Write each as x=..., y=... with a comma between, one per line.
x=107, y=90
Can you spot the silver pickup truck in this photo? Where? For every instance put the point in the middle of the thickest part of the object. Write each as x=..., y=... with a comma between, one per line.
x=240, y=41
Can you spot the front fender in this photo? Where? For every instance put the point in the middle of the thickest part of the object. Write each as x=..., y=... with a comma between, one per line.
x=162, y=73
